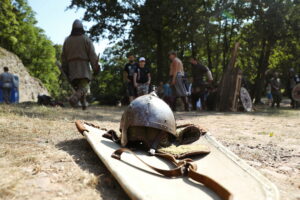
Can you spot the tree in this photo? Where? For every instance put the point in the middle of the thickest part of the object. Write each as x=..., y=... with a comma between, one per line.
x=268, y=33
x=8, y=25
x=108, y=88
x=20, y=35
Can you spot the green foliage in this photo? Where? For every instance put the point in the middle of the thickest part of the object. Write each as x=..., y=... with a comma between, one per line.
x=20, y=35
x=108, y=87
x=268, y=33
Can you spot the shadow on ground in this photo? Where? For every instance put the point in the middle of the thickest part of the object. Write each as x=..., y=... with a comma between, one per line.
x=259, y=111
x=93, y=113
x=87, y=160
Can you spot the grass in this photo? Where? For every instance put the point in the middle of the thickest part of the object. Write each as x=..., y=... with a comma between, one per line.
x=271, y=134
x=38, y=141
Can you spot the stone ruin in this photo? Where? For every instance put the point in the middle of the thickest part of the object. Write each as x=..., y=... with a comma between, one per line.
x=29, y=87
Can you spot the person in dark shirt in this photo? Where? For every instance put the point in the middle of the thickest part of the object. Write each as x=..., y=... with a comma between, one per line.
x=142, y=78
x=199, y=84
x=275, y=89
x=129, y=70
x=78, y=58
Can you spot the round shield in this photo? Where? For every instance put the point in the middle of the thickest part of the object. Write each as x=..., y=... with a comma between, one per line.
x=296, y=92
x=246, y=99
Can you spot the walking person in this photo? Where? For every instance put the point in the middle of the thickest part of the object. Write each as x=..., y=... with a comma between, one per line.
x=77, y=55
x=129, y=70
x=199, y=71
x=142, y=78
x=177, y=77
x=7, y=80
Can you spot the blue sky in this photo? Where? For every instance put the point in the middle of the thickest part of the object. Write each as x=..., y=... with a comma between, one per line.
x=56, y=21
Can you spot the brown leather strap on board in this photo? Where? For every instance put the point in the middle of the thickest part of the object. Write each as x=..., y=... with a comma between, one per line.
x=210, y=183
x=80, y=126
x=112, y=135
x=168, y=173
x=183, y=167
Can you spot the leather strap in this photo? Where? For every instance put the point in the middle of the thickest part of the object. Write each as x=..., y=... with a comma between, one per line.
x=112, y=135
x=184, y=167
x=80, y=127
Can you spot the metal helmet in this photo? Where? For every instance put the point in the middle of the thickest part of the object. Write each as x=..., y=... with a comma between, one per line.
x=146, y=119
x=77, y=24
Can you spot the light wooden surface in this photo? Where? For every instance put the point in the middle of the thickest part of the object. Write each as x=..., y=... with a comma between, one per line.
x=140, y=182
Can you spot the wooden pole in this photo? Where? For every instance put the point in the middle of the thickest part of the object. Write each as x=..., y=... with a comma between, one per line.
x=229, y=88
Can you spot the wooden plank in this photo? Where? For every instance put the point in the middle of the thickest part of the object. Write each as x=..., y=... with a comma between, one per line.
x=140, y=182
x=231, y=82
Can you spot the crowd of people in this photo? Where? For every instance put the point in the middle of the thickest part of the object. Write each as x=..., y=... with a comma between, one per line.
x=193, y=94
x=274, y=87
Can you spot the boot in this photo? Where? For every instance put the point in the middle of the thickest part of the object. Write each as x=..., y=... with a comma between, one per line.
x=76, y=97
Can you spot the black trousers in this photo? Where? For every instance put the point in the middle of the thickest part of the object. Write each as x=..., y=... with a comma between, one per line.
x=276, y=99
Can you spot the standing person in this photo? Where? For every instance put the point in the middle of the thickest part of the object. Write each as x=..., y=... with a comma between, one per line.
x=7, y=80
x=269, y=93
x=77, y=55
x=199, y=84
x=142, y=78
x=129, y=70
x=275, y=89
x=177, y=81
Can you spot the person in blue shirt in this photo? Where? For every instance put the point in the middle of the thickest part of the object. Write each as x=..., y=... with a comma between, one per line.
x=7, y=80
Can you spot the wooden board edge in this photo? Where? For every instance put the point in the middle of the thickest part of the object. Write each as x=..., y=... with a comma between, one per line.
x=269, y=188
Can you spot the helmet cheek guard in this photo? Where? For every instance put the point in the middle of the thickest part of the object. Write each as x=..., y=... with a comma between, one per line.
x=148, y=119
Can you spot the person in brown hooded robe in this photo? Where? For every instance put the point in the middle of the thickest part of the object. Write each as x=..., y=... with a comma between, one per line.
x=77, y=56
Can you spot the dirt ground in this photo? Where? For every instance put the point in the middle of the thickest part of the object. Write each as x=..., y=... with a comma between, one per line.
x=42, y=156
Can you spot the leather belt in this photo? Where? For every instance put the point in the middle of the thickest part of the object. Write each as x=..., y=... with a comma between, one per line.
x=184, y=167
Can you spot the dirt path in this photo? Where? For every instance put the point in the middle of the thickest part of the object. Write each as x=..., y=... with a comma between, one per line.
x=43, y=157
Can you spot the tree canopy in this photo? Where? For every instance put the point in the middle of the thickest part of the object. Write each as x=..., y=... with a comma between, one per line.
x=20, y=34
x=268, y=31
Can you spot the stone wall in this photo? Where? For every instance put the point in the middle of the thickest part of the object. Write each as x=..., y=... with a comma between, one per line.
x=29, y=87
